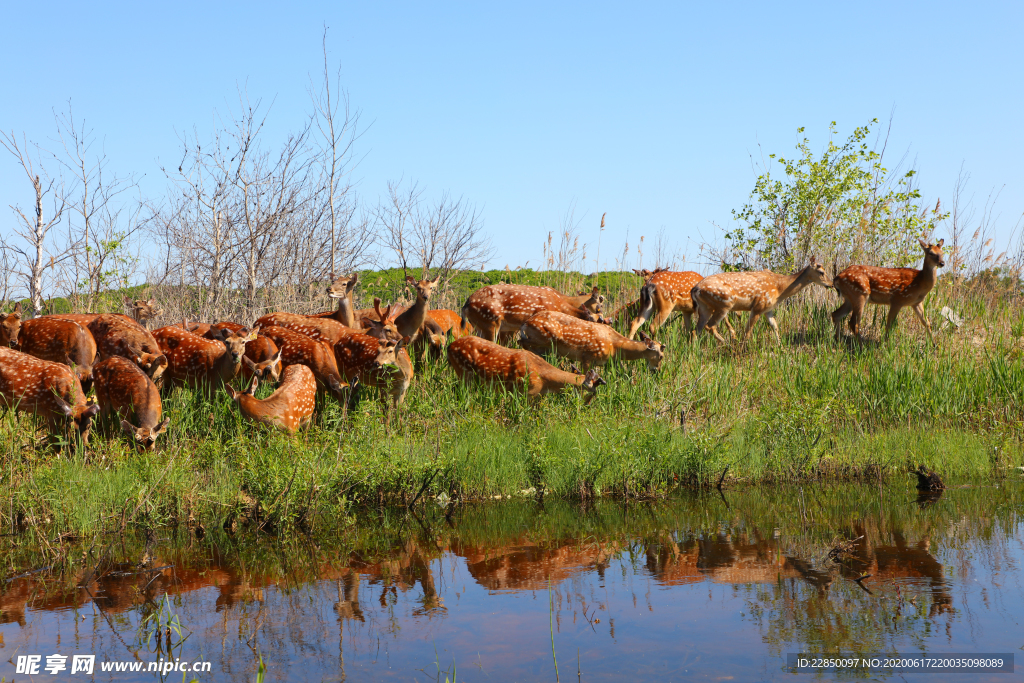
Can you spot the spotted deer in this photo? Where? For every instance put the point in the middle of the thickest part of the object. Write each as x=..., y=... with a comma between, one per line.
x=341, y=289
x=896, y=288
x=201, y=363
x=474, y=358
x=415, y=323
x=665, y=292
x=260, y=358
x=10, y=325
x=500, y=310
x=323, y=329
x=318, y=356
x=127, y=393
x=758, y=292
x=60, y=341
x=143, y=310
x=118, y=335
x=49, y=390
x=588, y=342
x=450, y=322
x=287, y=409
x=376, y=363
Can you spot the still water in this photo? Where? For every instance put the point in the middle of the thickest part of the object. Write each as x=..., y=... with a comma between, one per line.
x=697, y=587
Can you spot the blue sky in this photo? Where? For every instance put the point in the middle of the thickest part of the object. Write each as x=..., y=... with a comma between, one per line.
x=647, y=112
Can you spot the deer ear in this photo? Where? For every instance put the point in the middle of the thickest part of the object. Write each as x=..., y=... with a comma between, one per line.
x=248, y=363
x=276, y=358
x=940, y=242
x=410, y=279
x=231, y=391
x=253, y=385
x=575, y=368
x=162, y=427
x=128, y=428
x=64, y=406
x=924, y=245
x=17, y=309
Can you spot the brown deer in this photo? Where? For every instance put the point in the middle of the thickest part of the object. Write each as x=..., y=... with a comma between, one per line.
x=323, y=329
x=143, y=310
x=415, y=323
x=122, y=389
x=119, y=335
x=584, y=341
x=474, y=358
x=500, y=310
x=318, y=356
x=50, y=390
x=60, y=341
x=289, y=408
x=10, y=325
x=450, y=322
x=342, y=289
x=665, y=292
x=758, y=292
x=261, y=357
x=201, y=363
x=376, y=363
x=892, y=287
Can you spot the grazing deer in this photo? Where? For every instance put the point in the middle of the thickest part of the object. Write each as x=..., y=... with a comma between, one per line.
x=892, y=287
x=474, y=358
x=318, y=356
x=665, y=292
x=143, y=310
x=10, y=324
x=376, y=363
x=323, y=329
x=122, y=389
x=450, y=322
x=119, y=335
x=288, y=408
x=341, y=289
x=502, y=309
x=50, y=390
x=260, y=359
x=60, y=341
x=758, y=292
x=198, y=362
x=584, y=341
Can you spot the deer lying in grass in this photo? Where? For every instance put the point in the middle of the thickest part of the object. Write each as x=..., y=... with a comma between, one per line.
x=60, y=341
x=125, y=391
x=10, y=325
x=289, y=408
x=382, y=364
x=500, y=310
x=318, y=356
x=474, y=358
x=584, y=341
x=118, y=335
x=49, y=390
x=665, y=292
x=896, y=288
x=758, y=292
x=201, y=363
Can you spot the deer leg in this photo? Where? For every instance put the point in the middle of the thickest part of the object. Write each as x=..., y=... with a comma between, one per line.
x=712, y=324
x=688, y=323
x=641, y=318
x=890, y=320
x=770, y=317
x=750, y=324
x=728, y=324
x=839, y=314
x=919, y=310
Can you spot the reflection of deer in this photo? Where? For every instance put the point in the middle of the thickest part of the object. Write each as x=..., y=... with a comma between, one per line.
x=347, y=606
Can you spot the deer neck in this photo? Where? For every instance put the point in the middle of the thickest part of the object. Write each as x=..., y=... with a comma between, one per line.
x=925, y=278
x=789, y=285
x=412, y=319
x=225, y=367
x=555, y=380
x=630, y=350
x=346, y=312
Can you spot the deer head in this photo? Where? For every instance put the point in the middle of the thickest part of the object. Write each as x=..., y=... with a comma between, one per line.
x=10, y=325
x=235, y=344
x=143, y=309
x=80, y=417
x=269, y=370
x=933, y=253
x=385, y=327
x=144, y=438
x=424, y=288
x=815, y=273
x=591, y=381
x=655, y=351
x=595, y=304
x=341, y=287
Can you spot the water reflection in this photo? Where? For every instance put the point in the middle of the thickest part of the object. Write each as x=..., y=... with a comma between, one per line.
x=689, y=586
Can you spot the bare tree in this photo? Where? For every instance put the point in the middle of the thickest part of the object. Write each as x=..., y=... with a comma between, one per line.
x=35, y=254
x=444, y=236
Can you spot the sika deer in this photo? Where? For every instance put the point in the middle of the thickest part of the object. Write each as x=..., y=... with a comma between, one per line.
x=584, y=341
x=261, y=357
x=758, y=292
x=50, y=390
x=118, y=335
x=382, y=364
x=665, y=292
x=288, y=408
x=410, y=322
x=318, y=356
x=60, y=341
x=201, y=363
x=502, y=309
x=122, y=389
x=341, y=289
x=894, y=287
x=450, y=322
x=143, y=310
x=10, y=325
x=476, y=358
x=323, y=329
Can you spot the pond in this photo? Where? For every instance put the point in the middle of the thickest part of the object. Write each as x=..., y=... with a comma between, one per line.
x=701, y=586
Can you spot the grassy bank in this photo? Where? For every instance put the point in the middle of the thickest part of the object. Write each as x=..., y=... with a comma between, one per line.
x=808, y=409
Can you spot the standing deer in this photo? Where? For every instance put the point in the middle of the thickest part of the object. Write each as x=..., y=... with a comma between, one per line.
x=500, y=310
x=450, y=322
x=584, y=341
x=60, y=341
x=288, y=408
x=201, y=363
x=414, y=322
x=665, y=292
x=474, y=358
x=758, y=292
x=892, y=287
x=318, y=356
x=375, y=363
x=10, y=325
x=341, y=289
x=50, y=390
x=125, y=391
x=118, y=335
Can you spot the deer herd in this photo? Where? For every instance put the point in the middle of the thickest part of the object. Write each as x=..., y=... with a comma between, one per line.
x=49, y=364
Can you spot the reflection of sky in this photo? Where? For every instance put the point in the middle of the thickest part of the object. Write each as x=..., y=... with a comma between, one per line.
x=626, y=615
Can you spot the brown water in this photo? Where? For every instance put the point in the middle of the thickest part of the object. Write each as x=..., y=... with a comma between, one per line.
x=695, y=587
